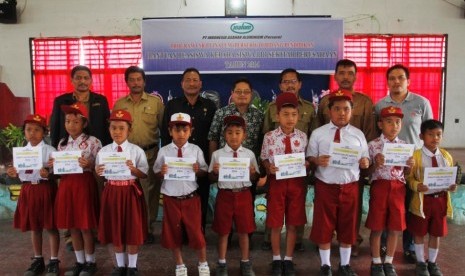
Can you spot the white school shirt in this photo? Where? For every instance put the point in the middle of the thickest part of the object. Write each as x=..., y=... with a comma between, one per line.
x=426, y=161
x=227, y=151
x=319, y=144
x=136, y=154
x=34, y=177
x=176, y=187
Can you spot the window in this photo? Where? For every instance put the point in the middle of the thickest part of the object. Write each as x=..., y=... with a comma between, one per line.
x=107, y=58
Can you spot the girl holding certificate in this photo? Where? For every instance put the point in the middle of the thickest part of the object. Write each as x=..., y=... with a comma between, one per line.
x=34, y=211
x=123, y=214
x=77, y=204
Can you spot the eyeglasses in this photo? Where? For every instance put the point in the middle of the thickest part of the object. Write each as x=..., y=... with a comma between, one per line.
x=294, y=81
x=243, y=92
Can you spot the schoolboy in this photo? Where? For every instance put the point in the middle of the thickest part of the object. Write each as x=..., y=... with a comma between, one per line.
x=181, y=203
x=387, y=193
x=336, y=189
x=429, y=207
x=286, y=197
x=234, y=200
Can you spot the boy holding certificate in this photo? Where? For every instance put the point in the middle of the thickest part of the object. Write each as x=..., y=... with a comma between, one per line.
x=181, y=203
x=234, y=201
x=123, y=214
x=286, y=197
x=429, y=206
x=337, y=151
x=387, y=193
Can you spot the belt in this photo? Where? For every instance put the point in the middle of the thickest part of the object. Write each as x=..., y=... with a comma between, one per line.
x=236, y=190
x=130, y=182
x=151, y=146
x=35, y=183
x=436, y=195
x=191, y=195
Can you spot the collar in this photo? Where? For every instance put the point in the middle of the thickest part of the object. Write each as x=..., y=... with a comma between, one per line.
x=333, y=126
x=144, y=97
x=227, y=148
x=124, y=145
x=197, y=102
x=407, y=98
x=70, y=139
x=85, y=100
x=428, y=153
x=280, y=132
x=40, y=144
x=386, y=140
x=173, y=145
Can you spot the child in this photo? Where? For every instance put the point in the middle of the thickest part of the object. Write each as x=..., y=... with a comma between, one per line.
x=123, y=214
x=336, y=189
x=34, y=211
x=234, y=200
x=77, y=205
x=286, y=197
x=429, y=207
x=181, y=203
x=387, y=193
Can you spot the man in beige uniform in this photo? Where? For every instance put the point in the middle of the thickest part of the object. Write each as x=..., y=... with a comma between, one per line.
x=147, y=114
x=362, y=118
x=290, y=82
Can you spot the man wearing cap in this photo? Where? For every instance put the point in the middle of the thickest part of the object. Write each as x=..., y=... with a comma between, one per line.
x=201, y=111
x=417, y=109
x=96, y=104
x=334, y=183
x=147, y=114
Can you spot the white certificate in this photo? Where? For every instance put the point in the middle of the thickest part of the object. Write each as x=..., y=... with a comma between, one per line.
x=439, y=178
x=397, y=154
x=234, y=169
x=27, y=158
x=66, y=162
x=180, y=168
x=290, y=165
x=115, y=163
x=344, y=156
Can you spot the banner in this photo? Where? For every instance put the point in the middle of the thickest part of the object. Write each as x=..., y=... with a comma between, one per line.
x=234, y=45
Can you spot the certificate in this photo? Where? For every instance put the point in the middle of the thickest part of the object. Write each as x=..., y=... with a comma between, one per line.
x=397, y=154
x=27, y=158
x=66, y=162
x=234, y=169
x=439, y=178
x=290, y=165
x=344, y=156
x=115, y=163
x=180, y=168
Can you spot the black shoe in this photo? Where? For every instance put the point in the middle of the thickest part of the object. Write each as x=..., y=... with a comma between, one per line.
x=410, y=257
x=266, y=246
x=325, y=270
x=299, y=247
x=132, y=271
x=53, y=268
x=36, y=268
x=118, y=271
x=288, y=268
x=346, y=270
x=150, y=239
x=75, y=270
x=421, y=269
x=89, y=269
x=434, y=270
x=377, y=270
x=389, y=270
x=277, y=268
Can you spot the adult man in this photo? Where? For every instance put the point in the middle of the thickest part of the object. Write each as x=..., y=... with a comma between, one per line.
x=362, y=118
x=416, y=109
x=290, y=82
x=147, y=114
x=201, y=111
x=97, y=105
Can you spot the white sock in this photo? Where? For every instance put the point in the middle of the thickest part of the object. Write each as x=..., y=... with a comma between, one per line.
x=324, y=256
x=420, y=252
x=53, y=258
x=120, y=259
x=277, y=258
x=132, y=260
x=221, y=261
x=344, y=252
x=432, y=254
x=90, y=258
x=180, y=266
x=377, y=260
x=38, y=256
x=287, y=258
x=80, y=256
x=245, y=261
x=388, y=259
x=203, y=263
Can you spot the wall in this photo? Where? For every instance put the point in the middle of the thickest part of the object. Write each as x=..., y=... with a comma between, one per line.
x=48, y=18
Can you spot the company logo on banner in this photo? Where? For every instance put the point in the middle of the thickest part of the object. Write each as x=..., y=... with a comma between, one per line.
x=233, y=45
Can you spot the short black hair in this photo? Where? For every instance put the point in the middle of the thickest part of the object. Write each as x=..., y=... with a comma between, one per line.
x=133, y=69
x=190, y=69
x=431, y=124
x=289, y=70
x=80, y=68
x=239, y=80
x=398, y=66
x=331, y=103
x=345, y=63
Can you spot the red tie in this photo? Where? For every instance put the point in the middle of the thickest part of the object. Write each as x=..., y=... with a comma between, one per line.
x=119, y=149
x=235, y=154
x=179, y=152
x=287, y=145
x=337, y=136
x=434, y=161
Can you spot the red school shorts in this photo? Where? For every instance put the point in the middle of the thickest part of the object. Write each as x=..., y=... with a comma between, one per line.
x=233, y=206
x=335, y=209
x=435, y=222
x=387, y=206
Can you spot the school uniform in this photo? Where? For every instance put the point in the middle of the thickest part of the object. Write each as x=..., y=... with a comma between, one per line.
x=123, y=212
x=336, y=190
x=387, y=192
x=181, y=203
x=34, y=210
x=285, y=197
x=77, y=202
x=234, y=200
x=430, y=209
